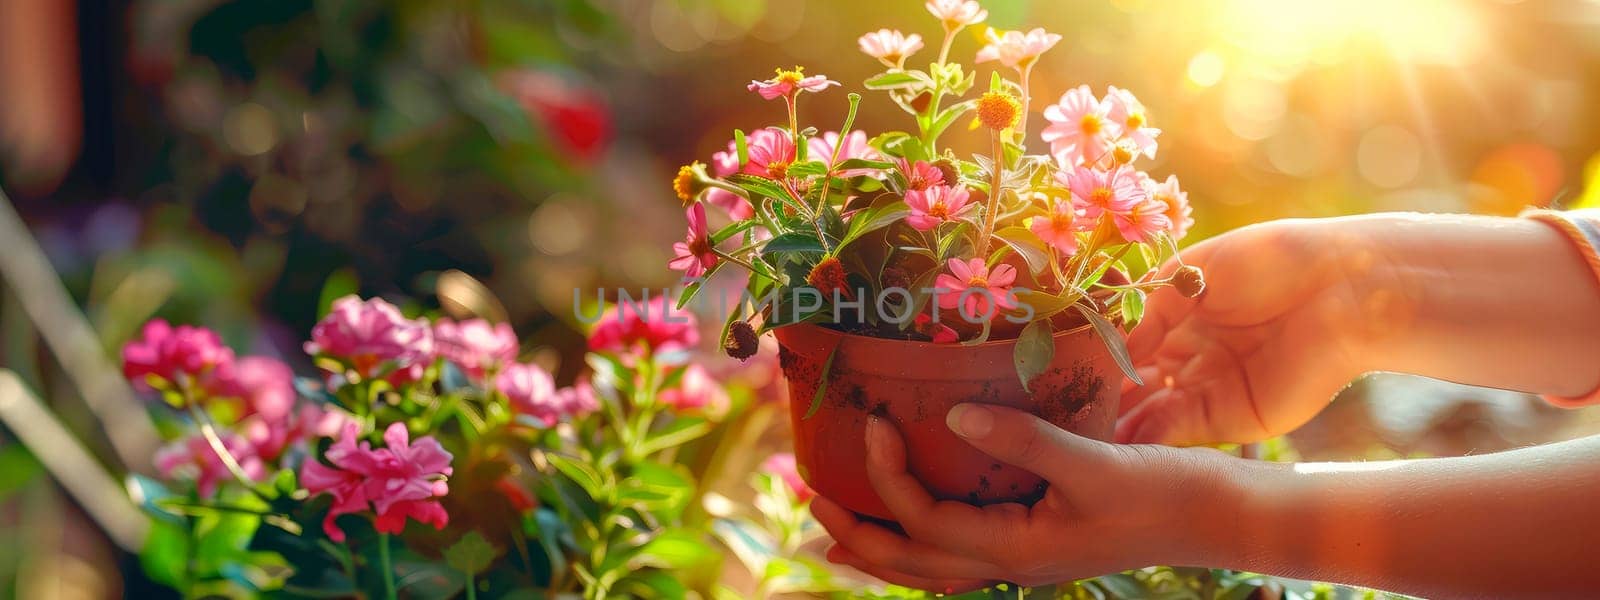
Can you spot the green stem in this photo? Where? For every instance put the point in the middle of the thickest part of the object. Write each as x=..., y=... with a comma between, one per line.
x=1022, y=125
x=388, y=566
x=472, y=587
x=209, y=431
x=992, y=214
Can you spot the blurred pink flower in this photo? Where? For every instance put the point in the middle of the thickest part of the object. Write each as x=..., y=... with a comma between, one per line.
x=855, y=146
x=1059, y=227
x=532, y=392
x=1143, y=222
x=955, y=14
x=1080, y=129
x=890, y=46
x=1125, y=110
x=990, y=287
x=936, y=205
x=192, y=458
x=782, y=466
x=654, y=325
x=1095, y=191
x=266, y=385
x=271, y=437
x=475, y=345
x=1016, y=49
x=577, y=399
x=920, y=175
x=369, y=334
x=695, y=391
x=790, y=83
x=402, y=480
x=696, y=254
x=941, y=333
x=1179, y=213
x=179, y=356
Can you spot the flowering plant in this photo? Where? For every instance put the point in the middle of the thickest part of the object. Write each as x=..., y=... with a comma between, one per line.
x=895, y=235
x=426, y=460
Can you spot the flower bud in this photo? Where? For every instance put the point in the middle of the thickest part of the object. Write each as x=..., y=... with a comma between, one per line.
x=947, y=169
x=742, y=341
x=1189, y=281
x=687, y=183
x=829, y=277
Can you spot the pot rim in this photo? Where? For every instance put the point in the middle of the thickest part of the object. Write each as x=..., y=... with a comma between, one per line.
x=922, y=344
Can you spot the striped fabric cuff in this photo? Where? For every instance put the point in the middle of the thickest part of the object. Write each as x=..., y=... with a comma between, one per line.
x=1582, y=228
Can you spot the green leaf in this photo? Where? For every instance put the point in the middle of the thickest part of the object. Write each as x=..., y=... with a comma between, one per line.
x=871, y=220
x=793, y=241
x=732, y=229
x=472, y=554
x=822, y=383
x=581, y=473
x=863, y=163
x=681, y=431
x=1113, y=339
x=1034, y=350
x=741, y=146
x=895, y=79
x=339, y=284
x=1132, y=307
x=1028, y=245
x=1046, y=305
x=758, y=185
x=948, y=116
x=810, y=168
x=675, y=549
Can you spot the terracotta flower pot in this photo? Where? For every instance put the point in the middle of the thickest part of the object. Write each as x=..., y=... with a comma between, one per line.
x=915, y=384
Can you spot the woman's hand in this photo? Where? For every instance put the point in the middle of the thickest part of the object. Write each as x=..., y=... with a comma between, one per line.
x=1282, y=326
x=1108, y=508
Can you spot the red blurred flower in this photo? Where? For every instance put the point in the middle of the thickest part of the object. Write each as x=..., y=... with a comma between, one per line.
x=575, y=118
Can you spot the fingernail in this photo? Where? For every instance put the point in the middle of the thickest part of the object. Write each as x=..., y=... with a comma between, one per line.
x=970, y=420
x=875, y=440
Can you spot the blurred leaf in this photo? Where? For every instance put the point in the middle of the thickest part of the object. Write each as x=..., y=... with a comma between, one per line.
x=1034, y=350
x=1113, y=339
x=165, y=553
x=872, y=220
x=18, y=468
x=748, y=541
x=149, y=494
x=1027, y=244
x=681, y=431
x=675, y=549
x=897, y=79
x=580, y=473
x=472, y=554
x=1132, y=307
x=793, y=241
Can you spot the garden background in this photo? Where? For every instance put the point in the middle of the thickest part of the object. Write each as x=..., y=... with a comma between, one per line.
x=240, y=164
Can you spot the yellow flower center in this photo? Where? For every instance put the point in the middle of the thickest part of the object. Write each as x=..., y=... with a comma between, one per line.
x=978, y=281
x=778, y=170
x=1122, y=154
x=998, y=110
x=1101, y=196
x=1090, y=125
x=790, y=77
x=1060, y=221
x=938, y=209
x=1135, y=120
x=683, y=184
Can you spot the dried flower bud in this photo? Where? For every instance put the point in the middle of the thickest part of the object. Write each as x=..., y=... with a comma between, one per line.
x=921, y=102
x=829, y=278
x=998, y=110
x=896, y=277
x=742, y=341
x=947, y=169
x=1189, y=281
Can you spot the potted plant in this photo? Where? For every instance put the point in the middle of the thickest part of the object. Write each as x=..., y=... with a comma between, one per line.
x=901, y=279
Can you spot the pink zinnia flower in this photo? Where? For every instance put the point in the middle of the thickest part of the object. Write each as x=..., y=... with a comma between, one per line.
x=532, y=392
x=920, y=175
x=271, y=437
x=1080, y=129
x=695, y=255
x=770, y=151
x=1095, y=191
x=788, y=84
x=179, y=356
x=782, y=466
x=1178, y=210
x=696, y=390
x=1143, y=222
x=1016, y=49
x=941, y=333
x=936, y=205
x=989, y=288
x=193, y=459
x=475, y=345
x=1058, y=228
x=855, y=146
x=655, y=325
x=369, y=334
x=402, y=480
x=890, y=46
x=1126, y=111
x=955, y=14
